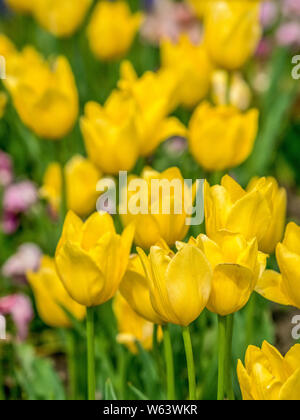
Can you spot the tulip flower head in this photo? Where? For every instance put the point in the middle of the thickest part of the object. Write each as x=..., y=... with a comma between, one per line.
x=228, y=206
x=154, y=210
x=91, y=258
x=112, y=29
x=154, y=95
x=51, y=296
x=132, y=327
x=192, y=66
x=61, y=17
x=268, y=375
x=284, y=288
x=20, y=308
x=232, y=31
x=45, y=96
x=110, y=134
x=222, y=137
x=237, y=265
x=180, y=284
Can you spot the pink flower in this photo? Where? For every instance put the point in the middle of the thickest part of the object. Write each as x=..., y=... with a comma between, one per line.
x=268, y=14
x=6, y=169
x=291, y=8
x=288, y=34
x=264, y=48
x=27, y=258
x=176, y=146
x=10, y=223
x=20, y=308
x=19, y=197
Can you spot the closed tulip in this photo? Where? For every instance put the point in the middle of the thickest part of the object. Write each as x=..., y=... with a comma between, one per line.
x=232, y=31
x=180, y=284
x=51, y=296
x=112, y=29
x=222, y=137
x=157, y=217
x=110, y=134
x=61, y=17
x=21, y=6
x=277, y=201
x=228, y=206
x=91, y=258
x=237, y=265
x=134, y=288
x=267, y=376
x=81, y=178
x=131, y=327
x=44, y=95
x=284, y=288
x=192, y=66
x=154, y=95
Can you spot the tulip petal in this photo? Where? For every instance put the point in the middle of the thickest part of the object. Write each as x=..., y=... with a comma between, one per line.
x=71, y=230
x=234, y=189
x=188, y=279
x=95, y=227
x=79, y=274
x=270, y=287
x=244, y=381
x=289, y=264
x=292, y=238
x=291, y=389
x=292, y=358
x=276, y=361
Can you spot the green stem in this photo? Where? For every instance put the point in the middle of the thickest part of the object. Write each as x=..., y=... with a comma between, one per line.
x=90, y=354
x=71, y=351
x=169, y=364
x=190, y=362
x=222, y=357
x=250, y=314
x=228, y=373
x=2, y=395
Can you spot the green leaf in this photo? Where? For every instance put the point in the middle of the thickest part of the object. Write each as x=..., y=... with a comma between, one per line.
x=109, y=392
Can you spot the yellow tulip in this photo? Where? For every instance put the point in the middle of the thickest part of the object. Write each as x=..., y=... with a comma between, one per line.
x=232, y=31
x=237, y=265
x=45, y=96
x=132, y=327
x=91, y=258
x=268, y=376
x=192, y=66
x=134, y=288
x=112, y=29
x=81, y=177
x=228, y=206
x=233, y=90
x=163, y=222
x=60, y=17
x=284, y=288
x=179, y=284
x=51, y=296
x=110, y=134
x=222, y=137
x=22, y=6
x=277, y=201
x=154, y=95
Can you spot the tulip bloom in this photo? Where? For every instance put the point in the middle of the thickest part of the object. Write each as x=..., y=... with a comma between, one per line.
x=81, y=180
x=155, y=224
x=222, y=137
x=269, y=376
x=132, y=327
x=19, y=307
x=232, y=31
x=154, y=96
x=61, y=17
x=192, y=66
x=134, y=288
x=237, y=265
x=228, y=206
x=91, y=258
x=112, y=29
x=277, y=201
x=179, y=284
x=44, y=96
x=110, y=134
x=51, y=296
x=284, y=288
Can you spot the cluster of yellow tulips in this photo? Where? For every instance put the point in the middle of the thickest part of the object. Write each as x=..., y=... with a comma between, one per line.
x=172, y=277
